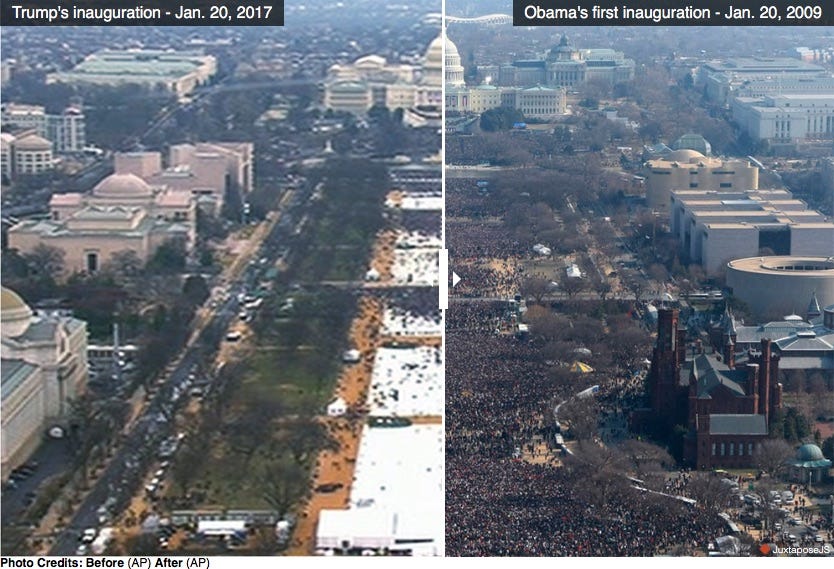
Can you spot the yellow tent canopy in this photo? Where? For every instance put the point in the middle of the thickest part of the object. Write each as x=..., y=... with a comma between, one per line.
x=579, y=367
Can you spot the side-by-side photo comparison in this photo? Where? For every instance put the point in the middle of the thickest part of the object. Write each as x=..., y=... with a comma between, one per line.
x=438, y=278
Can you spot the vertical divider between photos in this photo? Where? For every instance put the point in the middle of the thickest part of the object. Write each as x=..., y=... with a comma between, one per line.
x=443, y=275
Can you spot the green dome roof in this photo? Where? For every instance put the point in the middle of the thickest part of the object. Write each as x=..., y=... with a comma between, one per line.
x=809, y=452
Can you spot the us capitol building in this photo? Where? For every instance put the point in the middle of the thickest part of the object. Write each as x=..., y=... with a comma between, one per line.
x=374, y=81
x=534, y=99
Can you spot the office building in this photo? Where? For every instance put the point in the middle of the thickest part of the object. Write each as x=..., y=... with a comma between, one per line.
x=179, y=72
x=714, y=228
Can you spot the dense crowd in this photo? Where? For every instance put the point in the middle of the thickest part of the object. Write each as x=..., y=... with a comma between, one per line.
x=499, y=396
x=501, y=391
x=477, y=279
x=495, y=386
x=509, y=507
x=481, y=239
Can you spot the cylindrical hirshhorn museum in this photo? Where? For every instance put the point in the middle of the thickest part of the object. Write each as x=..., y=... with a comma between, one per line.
x=776, y=286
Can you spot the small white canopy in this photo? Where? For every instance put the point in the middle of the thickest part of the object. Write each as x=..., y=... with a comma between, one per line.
x=351, y=356
x=221, y=527
x=337, y=408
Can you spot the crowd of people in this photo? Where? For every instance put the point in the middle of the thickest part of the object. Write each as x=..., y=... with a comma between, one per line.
x=501, y=390
x=497, y=507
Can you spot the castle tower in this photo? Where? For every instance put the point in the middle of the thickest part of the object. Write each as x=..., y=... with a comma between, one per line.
x=729, y=352
x=666, y=364
x=765, y=379
x=753, y=385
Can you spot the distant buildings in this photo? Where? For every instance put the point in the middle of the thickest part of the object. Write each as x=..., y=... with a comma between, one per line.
x=716, y=227
x=6, y=68
x=373, y=81
x=123, y=213
x=534, y=102
x=44, y=367
x=25, y=154
x=721, y=80
x=813, y=55
x=779, y=100
x=787, y=118
x=176, y=71
x=66, y=131
x=689, y=169
x=206, y=169
x=564, y=66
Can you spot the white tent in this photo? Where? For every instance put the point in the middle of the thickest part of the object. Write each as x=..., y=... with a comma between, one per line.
x=366, y=528
x=337, y=408
x=221, y=527
x=542, y=250
x=351, y=356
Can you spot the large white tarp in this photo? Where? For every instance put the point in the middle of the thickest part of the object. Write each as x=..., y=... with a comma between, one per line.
x=407, y=382
x=397, y=493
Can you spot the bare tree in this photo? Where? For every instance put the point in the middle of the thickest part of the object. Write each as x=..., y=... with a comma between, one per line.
x=710, y=492
x=635, y=283
x=629, y=346
x=535, y=287
x=572, y=285
x=659, y=273
x=306, y=436
x=123, y=265
x=142, y=544
x=283, y=482
x=582, y=414
x=190, y=459
x=646, y=457
x=772, y=456
x=546, y=324
x=598, y=472
x=602, y=287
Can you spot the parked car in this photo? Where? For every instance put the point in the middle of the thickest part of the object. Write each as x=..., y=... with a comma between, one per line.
x=88, y=535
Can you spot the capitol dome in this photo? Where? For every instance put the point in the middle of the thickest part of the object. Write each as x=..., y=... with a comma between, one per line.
x=433, y=62
x=15, y=314
x=119, y=186
x=454, y=69
x=809, y=453
x=434, y=53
